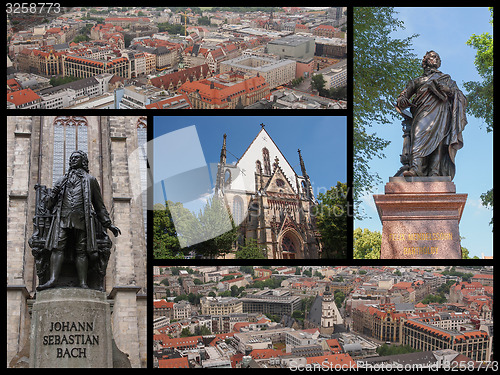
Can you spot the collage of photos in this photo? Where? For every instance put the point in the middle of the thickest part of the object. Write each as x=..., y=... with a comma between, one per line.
x=355, y=238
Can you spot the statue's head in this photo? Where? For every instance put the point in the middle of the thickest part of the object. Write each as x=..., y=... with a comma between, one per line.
x=431, y=60
x=79, y=159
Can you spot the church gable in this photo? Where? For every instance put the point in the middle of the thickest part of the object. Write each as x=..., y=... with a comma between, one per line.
x=265, y=151
x=278, y=183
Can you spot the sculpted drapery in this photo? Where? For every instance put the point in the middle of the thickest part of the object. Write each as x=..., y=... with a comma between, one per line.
x=438, y=110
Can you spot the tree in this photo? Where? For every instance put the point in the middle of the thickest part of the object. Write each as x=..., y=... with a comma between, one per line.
x=186, y=332
x=331, y=219
x=480, y=93
x=366, y=244
x=165, y=242
x=382, y=66
x=251, y=250
x=209, y=234
x=318, y=82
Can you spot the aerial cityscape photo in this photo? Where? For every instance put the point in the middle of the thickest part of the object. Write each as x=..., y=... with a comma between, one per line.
x=301, y=317
x=177, y=58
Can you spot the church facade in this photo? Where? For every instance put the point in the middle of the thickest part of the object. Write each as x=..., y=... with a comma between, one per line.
x=270, y=202
x=38, y=148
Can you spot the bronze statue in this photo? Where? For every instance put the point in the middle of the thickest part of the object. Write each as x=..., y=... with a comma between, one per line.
x=433, y=127
x=70, y=227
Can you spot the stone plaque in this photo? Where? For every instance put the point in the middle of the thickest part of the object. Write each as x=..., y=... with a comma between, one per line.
x=420, y=218
x=71, y=327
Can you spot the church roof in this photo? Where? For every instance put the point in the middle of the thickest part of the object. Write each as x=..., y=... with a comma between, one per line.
x=254, y=153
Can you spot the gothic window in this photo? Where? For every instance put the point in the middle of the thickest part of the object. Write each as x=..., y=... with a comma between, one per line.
x=280, y=183
x=258, y=166
x=70, y=134
x=288, y=245
x=267, y=162
x=237, y=210
x=142, y=138
x=227, y=177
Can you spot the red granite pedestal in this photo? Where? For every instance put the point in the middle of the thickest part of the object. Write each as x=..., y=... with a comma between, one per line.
x=420, y=217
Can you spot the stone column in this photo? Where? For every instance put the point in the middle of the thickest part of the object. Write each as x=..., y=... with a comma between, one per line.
x=128, y=260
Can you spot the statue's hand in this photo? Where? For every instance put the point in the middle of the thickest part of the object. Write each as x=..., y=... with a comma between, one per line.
x=444, y=88
x=403, y=102
x=115, y=230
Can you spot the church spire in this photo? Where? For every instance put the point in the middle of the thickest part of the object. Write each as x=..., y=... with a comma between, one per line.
x=220, y=170
x=307, y=187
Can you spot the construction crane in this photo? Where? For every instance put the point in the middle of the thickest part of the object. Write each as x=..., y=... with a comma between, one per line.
x=185, y=23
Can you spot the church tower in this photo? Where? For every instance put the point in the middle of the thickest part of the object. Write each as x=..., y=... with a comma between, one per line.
x=330, y=314
x=269, y=201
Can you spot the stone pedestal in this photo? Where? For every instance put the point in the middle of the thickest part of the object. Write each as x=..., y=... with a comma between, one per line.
x=71, y=327
x=420, y=217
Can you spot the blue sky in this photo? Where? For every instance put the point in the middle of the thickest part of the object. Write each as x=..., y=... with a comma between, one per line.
x=321, y=139
x=446, y=31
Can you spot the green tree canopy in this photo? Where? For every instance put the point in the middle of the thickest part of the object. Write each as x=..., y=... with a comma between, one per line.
x=251, y=250
x=165, y=242
x=366, y=244
x=331, y=218
x=382, y=66
x=209, y=234
x=480, y=93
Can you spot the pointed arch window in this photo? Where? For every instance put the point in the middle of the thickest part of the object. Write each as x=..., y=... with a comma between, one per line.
x=267, y=162
x=70, y=134
x=258, y=166
x=237, y=210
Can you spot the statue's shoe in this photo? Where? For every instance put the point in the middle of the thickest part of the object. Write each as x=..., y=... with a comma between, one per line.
x=47, y=285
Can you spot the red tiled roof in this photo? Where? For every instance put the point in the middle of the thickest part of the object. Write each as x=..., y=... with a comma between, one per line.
x=181, y=76
x=162, y=304
x=332, y=360
x=217, y=93
x=21, y=97
x=173, y=363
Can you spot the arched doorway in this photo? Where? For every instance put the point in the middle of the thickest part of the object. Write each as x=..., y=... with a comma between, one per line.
x=290, y=245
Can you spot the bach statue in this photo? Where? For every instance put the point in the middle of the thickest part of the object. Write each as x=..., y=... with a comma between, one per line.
x=70, y=230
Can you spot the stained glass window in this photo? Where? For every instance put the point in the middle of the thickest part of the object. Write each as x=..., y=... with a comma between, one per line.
x=70, y=134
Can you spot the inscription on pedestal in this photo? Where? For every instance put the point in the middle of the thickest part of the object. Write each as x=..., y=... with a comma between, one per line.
x=69, y=344
x=71, y=327
x=420, y=218
x=422, y=249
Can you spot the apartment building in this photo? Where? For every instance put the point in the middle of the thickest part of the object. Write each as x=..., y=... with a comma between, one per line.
x=220, y=305
x=275, y=72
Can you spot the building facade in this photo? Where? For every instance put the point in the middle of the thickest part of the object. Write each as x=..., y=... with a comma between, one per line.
x=38, y=148
x=275, y=72
x=271, y=203
x=423, y=336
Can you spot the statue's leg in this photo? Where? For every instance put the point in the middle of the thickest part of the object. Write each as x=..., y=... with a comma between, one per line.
x=416, y=169
x=81, y=260
x=56, y=261
x=435, y=161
